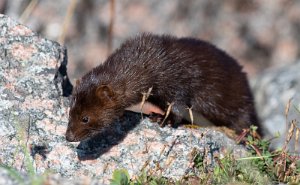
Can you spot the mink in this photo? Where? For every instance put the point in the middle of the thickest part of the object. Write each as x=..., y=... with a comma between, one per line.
x=186, y=73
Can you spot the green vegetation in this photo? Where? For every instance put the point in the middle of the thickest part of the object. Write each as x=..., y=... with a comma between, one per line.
x=34, y=178
x=121, y=177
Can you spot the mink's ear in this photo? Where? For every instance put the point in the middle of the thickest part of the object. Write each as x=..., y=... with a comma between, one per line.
x=105, y=92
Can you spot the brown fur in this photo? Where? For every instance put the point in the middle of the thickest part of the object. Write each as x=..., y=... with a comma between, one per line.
x=184, y=71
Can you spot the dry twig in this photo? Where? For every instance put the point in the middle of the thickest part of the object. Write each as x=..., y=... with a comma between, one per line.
x=144, y=99
x=167, y=113
x=111, y=26
x=28, y=10
x=67, y=20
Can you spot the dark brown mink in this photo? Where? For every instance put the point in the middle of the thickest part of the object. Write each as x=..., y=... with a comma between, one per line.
x=186, y=72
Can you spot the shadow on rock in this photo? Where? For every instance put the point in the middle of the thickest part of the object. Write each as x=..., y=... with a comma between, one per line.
x=94, y=147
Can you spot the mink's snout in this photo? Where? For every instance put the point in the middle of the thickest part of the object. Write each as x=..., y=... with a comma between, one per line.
x=70, y=136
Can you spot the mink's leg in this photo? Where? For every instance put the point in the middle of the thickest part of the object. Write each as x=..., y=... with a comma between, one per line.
x=176, y=116
x=192, y=115
x=173, y=118
x=156, y=117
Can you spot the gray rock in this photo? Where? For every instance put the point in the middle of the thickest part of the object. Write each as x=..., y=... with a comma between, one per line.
x=34, y=116
x=273, y=90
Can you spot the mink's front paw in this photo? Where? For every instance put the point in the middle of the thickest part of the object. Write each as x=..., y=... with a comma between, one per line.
x=158, y=118
x=172, y=120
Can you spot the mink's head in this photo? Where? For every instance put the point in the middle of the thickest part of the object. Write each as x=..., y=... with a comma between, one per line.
x=92, y=109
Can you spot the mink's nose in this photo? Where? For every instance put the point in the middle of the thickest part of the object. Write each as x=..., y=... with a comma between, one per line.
x=70, y=136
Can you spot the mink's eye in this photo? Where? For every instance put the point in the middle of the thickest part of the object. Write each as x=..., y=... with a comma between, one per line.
x=85, y=119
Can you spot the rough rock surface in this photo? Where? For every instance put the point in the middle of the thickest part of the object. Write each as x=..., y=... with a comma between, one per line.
x=34, y=116
x=273, y=90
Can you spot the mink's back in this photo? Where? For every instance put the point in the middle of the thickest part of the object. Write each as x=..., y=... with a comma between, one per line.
x=172, y=65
